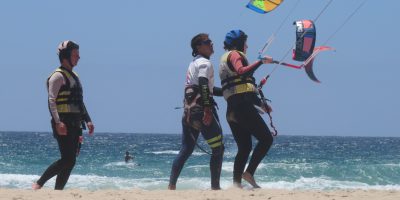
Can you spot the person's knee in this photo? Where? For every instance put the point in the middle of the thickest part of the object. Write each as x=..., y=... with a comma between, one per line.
x=68, y=162
x=269, y=140
x=184, y=154
x=266, y=141
x=186, y=151
x=218, y=151
x=244, y=150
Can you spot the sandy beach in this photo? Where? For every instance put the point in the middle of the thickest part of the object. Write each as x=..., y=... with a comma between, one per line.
x=261, y=194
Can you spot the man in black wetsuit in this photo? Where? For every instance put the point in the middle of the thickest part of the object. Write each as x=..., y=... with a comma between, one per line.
x=68, y=113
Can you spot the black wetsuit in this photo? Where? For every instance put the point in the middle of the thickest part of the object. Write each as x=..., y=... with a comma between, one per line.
x=190, y=132
x=128, y=157
x=198, y=101
x=245, y=121
x=69, y=146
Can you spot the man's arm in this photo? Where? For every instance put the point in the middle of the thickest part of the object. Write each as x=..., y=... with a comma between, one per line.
x=55, y=83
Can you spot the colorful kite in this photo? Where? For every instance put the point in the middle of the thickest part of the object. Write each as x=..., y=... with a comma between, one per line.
x=305, y=39
x=263, y=6
x=305, y=49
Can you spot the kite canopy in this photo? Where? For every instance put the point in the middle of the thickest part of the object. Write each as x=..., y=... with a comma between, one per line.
x=305, y=39
x=263, y=6
x=308, y=64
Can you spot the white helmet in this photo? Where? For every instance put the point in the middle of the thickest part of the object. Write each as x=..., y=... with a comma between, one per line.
x=64, y=49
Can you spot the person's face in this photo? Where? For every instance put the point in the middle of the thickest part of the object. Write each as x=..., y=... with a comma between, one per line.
x=75, y=57
x=206, y=47
x=245, y=47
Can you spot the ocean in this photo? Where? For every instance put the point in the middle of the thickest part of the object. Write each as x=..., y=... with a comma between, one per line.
x=293, y=162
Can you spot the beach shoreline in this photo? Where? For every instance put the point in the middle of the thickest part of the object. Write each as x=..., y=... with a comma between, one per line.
x=231, y=193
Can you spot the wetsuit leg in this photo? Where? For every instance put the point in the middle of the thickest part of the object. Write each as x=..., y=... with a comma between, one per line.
x=68, y=156
x=245, y=121
x=62, y=168
x=213, y=135
x=243, y=142
x=259, y=129
x=189, y=135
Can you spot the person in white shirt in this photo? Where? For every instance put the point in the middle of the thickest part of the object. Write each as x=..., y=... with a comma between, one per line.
x=199, y=112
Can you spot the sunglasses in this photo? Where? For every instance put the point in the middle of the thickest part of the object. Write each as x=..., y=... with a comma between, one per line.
x=206, y=42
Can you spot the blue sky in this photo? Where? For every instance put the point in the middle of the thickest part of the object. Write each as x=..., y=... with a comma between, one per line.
x=134, y=56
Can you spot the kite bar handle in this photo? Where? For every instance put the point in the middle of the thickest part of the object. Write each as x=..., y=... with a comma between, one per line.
x=282, y=63
x=287, y=64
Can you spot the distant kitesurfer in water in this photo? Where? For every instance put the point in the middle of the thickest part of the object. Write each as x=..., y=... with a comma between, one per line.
x=128, y=157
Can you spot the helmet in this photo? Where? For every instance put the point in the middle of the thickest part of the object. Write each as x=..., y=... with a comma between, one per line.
x=64, y=49
x=234, y=35
x=235, y=39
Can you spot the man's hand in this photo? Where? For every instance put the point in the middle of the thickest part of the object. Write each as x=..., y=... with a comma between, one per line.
x=207, y=117
x=61, y=128
x=91, y=127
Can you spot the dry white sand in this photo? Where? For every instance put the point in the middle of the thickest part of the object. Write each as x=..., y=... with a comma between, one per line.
x=233, y=193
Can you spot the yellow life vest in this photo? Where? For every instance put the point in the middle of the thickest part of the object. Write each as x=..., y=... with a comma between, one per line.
x=232, y=83
x=69, y=98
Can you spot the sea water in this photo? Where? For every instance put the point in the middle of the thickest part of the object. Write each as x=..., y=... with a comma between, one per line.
x=293, y=162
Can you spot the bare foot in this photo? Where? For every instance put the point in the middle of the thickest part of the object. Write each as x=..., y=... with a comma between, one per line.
x=249, y=178
x=36, y=186
x=171, y=187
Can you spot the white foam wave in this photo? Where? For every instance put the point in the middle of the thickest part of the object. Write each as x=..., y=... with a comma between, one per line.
x=227, y=166
x=165, y=152
x=324, y=183
x=197, y=166
x=296, y=166
x=196, y=153
x=17, y=180
x=94, y=182
x=121, y=164
x=5, y=164
x=391, y=165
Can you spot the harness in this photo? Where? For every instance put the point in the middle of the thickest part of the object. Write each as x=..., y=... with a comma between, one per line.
x=192, y=96
x=192, y=100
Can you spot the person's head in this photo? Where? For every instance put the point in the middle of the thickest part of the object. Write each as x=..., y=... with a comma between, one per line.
x=127, y=153
x=68, y=53
x=202, y=45
x=236, y=40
